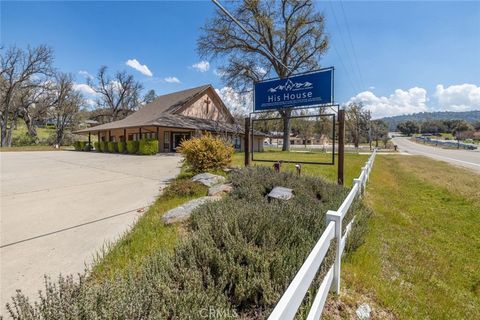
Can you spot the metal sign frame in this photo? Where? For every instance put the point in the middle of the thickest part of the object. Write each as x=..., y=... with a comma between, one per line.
x=332, y=91
x=332, y=162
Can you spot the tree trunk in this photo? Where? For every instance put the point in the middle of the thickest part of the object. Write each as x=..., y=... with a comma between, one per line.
x=286, y=129
x=59, y=136
x=32, y=130
x=3, y=130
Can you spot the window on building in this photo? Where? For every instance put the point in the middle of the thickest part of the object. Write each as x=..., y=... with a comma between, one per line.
x=237, y=143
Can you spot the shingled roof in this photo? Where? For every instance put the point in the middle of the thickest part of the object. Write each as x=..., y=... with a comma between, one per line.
x=162, y=112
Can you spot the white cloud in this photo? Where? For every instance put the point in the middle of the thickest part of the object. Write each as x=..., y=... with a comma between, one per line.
x=462, y=97
x=142, y=68
x=239, y=104
x=202, y=66
x=85, y=74
x=84, y=88
x=400, y=102
x=90, y=103
x=172, y=80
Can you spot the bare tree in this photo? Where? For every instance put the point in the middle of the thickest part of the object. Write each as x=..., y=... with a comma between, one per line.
x=119, y=96
x=65, y=104
x=292, y=30
x=21, y=74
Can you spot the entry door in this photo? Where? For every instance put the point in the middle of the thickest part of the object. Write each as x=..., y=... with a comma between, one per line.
x=178, y=137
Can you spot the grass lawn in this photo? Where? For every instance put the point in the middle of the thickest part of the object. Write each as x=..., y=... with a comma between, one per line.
x=353, y=163
x=33, y=148
x=43, y=133
x=421, y=257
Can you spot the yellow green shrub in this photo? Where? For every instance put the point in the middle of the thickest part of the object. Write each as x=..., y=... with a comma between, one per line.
x=206, y=153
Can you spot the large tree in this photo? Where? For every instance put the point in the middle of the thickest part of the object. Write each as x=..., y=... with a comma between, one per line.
x=22, y=74
x=65, y=103
x=357, y=121
x=292, y=30
x=119, y=95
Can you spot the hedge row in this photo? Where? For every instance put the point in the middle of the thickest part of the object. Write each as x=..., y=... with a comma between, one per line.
x=82, y=146
x=143, y=147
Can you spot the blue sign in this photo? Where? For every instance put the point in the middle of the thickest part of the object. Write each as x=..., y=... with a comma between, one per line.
x=311, y=89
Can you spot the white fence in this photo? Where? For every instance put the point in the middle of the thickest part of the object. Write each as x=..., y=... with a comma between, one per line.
x=292, y=298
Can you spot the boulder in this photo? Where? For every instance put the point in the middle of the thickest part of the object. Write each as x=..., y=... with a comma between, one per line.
x=363, y=312
x=281, y=193
x=209, y=179
x=184, y=211
x=220, y=189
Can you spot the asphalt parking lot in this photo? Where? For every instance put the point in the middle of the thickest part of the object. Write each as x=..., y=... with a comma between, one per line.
x=59, y=208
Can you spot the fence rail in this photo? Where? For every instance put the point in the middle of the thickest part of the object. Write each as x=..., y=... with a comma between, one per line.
x=291, y=300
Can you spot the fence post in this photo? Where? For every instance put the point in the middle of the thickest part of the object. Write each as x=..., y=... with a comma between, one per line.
x=359, y=183
x=337, y=218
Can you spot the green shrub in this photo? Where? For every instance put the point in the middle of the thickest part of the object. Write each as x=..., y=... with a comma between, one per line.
x=79, y=145
x=148, y=147
x=239, y=257
x=96, y=144
x=206, y=153
x=121, y=147
x=184, y=188
x=112, y=147
x=132, y=147
x=23, y=140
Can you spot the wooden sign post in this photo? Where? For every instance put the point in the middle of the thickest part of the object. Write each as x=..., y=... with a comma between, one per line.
x=341, y=145
x=247, y=141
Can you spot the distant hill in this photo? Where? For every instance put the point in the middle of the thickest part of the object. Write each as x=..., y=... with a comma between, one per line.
x=470, y=116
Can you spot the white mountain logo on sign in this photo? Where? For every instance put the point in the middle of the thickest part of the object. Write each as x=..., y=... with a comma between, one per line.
x=291, y=86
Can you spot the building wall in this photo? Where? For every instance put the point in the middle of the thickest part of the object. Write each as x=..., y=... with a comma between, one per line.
x=212, y=110
x=164, y=145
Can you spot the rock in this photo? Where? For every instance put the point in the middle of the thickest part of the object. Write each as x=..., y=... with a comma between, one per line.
x=184, y=211
x=281, y=193
x=220, y=189
x=363, y=312
x=209, y=179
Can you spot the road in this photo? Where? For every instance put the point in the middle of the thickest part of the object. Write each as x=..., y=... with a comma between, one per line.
x=464, y=158
x=59, y=208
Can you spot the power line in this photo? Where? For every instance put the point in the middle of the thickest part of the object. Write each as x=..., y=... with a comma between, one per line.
x=351, y=43
x=249, y=34
x=344, y=67
x=352, y=67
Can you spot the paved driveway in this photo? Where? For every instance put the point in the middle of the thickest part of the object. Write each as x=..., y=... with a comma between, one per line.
x=59, y=208
x=465, y=158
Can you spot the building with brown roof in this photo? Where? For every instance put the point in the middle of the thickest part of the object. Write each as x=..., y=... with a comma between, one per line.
x=176, y=116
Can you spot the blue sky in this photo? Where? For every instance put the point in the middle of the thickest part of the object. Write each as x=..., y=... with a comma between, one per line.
x=396, y=57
